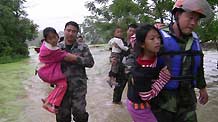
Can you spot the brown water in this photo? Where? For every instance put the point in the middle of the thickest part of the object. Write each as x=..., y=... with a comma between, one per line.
x=99, y=94
x=209, y=112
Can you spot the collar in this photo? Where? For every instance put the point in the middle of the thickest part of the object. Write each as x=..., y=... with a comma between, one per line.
x=146, y=62
x=170, y=31
x=119, y=37
x=50, y=47
x=63, y=45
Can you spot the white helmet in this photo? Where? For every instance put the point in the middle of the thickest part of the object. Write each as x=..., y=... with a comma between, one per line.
x=199, y=6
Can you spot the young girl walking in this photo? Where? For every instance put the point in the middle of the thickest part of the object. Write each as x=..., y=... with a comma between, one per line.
x=149, y=74
x=49, y=69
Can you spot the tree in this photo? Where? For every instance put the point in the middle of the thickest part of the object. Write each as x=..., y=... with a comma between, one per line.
x=209, y=29
x=89, y=30
x=15, y=29
x=124, y=12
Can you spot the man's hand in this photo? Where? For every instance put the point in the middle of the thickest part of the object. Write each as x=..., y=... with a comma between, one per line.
x=203, y=98
x=70, y=57
x=159, y=25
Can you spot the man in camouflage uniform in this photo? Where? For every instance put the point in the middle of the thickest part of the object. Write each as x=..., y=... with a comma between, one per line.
x=74, y=101
x=179, y=104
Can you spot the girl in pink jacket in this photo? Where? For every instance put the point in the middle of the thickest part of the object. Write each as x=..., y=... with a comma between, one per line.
x=49, y=71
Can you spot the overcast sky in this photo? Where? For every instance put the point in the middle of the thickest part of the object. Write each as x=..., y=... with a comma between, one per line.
x=55, y=13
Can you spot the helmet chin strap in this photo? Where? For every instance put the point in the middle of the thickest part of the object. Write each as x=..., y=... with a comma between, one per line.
x=179, y=28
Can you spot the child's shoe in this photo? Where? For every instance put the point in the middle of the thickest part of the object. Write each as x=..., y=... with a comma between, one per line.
x=51, y=108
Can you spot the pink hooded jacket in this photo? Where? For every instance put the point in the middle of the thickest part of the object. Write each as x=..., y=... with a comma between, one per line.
x=51, y=57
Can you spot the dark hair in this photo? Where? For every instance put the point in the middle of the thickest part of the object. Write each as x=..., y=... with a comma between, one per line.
x=132, y=26
x=80, y=36
x=141, y=33
x=177, y=10
x=61, y=39
x=48, y=30
x=73, y=24
x=117, y=27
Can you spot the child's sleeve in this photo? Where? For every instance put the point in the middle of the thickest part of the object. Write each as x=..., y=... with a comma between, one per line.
x=110, y=42
x=120, y=44
x=60, y=54
x=156, y=87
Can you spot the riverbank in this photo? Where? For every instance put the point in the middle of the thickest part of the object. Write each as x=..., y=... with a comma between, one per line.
x=12, y=89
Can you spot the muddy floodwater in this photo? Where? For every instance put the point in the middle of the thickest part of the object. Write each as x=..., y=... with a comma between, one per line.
x=99, y=96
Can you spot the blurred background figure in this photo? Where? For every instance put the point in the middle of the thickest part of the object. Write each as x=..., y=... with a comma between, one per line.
x=80, y=39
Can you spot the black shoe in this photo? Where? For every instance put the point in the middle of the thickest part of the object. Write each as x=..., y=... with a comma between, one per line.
x=118, y=103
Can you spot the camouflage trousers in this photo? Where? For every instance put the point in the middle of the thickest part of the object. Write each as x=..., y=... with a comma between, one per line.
x=118, y=91
x=121, y=79
x=74, y=102
x=182, y=115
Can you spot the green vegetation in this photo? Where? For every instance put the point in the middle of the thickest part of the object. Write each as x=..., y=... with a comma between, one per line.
x=10, y=59
x=106, y=15
x=15, y=29
x=11, y=77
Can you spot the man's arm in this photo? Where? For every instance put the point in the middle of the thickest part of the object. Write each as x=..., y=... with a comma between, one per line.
x=201, y=84
x=87, y=59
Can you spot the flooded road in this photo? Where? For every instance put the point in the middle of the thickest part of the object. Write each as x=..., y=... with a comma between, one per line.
x=209, y=112
x=99, y=96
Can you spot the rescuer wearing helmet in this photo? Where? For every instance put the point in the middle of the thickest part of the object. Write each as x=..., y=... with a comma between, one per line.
x=184, y=58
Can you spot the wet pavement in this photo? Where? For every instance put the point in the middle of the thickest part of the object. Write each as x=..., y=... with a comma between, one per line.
x=99, y=96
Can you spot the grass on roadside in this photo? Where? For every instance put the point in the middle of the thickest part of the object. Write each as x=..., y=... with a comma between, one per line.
x=98, y=45
x=11, y=59
x=11, y=88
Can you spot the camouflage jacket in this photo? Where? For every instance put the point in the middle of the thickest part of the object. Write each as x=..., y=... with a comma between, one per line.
x=85, y=59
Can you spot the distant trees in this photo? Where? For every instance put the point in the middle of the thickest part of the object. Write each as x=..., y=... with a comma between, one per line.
x=15, y=29
x=106, y=14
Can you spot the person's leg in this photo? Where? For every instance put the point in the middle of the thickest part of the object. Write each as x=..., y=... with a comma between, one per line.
x=56, y=95
x=64, y=111
x=186, y=115
x=187, y=104
x=115, y=61
x=121, y=80
x=118, y=91
x=115, y=65
x=79, y=101
x=164, y=115
x=144, y=115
